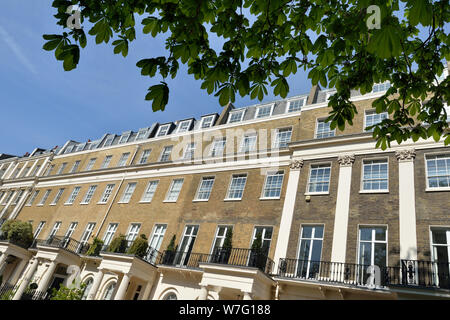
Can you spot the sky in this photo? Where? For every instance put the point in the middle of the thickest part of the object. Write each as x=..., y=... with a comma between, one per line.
x=43, y=106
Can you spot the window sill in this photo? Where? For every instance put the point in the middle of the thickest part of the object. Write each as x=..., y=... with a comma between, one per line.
x=145, y=201
x=200, y=200
x=373, y=191
x=169, y=201
x=67, y=204
x=102, y=202
x=232, y=199
x=437, y=189
x=316, y=193
x=269, y=198
x=123, y=202
x=52, y=204
x=84, y=203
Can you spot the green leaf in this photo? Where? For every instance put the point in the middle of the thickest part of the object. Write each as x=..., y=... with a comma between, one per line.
x=160, y=95
x=385, y=42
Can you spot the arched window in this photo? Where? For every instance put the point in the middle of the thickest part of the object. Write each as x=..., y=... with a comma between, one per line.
x=109, y=291
x=88, y=283
x=170, y=296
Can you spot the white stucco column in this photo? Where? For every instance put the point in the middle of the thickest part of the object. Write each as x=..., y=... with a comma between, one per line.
x=32, y=168
x=288, y=212
x=342, y=209
x=122, y=290
x=247, y=296
x=95, y=285
x=203, y=293
x=147, y=290
x=23, y=285
x=407, y=204
x=45, y=280
x=9, y=203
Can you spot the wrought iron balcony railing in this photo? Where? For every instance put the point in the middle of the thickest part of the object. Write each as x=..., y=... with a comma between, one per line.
x=66, y=243
x=233, y=256
x=151, y=255
x=410, y=273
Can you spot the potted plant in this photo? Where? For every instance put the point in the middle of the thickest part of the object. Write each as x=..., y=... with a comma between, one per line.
x=139, y=246
x=222, y=254
x=255, y=251
x=169, y=254
x=118, y=245
x=95, y=248
x=18, y=232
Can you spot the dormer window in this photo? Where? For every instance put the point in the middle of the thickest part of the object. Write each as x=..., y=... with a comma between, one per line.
x=207, y=121
x=296, y=105
x=265, y=111
x=124, y=138
x=69, y=149
x=184, y=126
x=109, y=141
x=163, y=130
x=379, y=87
x=141, y=134
x=236, y=116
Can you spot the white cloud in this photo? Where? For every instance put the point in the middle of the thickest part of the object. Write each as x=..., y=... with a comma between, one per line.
x=18, y=52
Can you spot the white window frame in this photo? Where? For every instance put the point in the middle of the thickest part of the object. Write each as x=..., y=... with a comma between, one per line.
x=381, y=86
x=106, y=162
x=109, y=233
x=62, y=168
x=90, y=226
x=71, y=199
x=32, y=198
x=427, y=185
x=124, y=138
x=189, y=123
x=170, y=190
x=126, y=192
x=158, y=233
x=70, y=230
x=45, y=197
x=230, y=184
x=57, y=197
x=212, y=117
x=145, y=155
x=141, y=134
x=276, y=140
x=272, y=173
x=75, y=166
x=123, y=159
x=18, y=196
x=319, y=120
x=164, y=127
x=242, y=111
x=373, y=241
x=311, y=241
x=189, y=151
x=221, y=140
x=197, y=199
x=147, y=190
x=107, y=192
x=330, y=164
x=369, y=112
x=361, y=189
x=89, y=194
x=39, y=229
x=271, y=106
x=54, y=229
x=288, y=107
x=254, y=146
x=133, y=231
x=90, y=164
x=163, y=152
x=220, y=238
x=263, y=235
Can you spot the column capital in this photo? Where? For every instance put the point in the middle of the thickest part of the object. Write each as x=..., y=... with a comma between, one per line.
x=406, y=154
x=296, y=164
x=346, y=160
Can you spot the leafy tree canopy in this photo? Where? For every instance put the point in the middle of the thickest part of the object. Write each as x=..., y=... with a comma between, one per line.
x=265, y=41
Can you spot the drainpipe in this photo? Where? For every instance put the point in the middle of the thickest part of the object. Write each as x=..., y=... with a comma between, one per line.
x=110, y=205
x=277, y=291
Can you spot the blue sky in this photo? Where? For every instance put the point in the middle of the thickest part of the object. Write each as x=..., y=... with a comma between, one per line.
x=44, y=106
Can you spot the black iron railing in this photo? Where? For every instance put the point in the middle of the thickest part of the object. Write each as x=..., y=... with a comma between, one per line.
x=234, y=256
x=31, y=294
x=151, y=255
x=66, y=243
x=7, y=291
x=410, y=273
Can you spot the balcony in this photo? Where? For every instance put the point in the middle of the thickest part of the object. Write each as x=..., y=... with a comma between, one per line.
x=18, y=242
x=65, y=243
x=417, y=274
x=150, y=255
x=233, y=257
